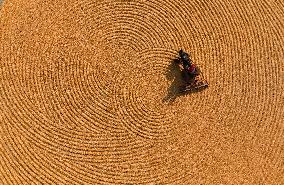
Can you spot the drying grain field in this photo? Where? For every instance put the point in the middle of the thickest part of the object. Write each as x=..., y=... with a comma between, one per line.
x=88, y=92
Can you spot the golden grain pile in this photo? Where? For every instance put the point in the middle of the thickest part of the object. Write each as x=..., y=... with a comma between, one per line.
x=88, y=92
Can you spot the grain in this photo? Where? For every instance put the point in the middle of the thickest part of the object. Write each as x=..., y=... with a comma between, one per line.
x=89, y=92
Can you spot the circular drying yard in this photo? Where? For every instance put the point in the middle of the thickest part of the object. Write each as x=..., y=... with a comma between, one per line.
x=89, y=92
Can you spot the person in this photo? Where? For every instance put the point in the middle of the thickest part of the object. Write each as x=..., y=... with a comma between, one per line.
x=190, y=70
x=186, y=61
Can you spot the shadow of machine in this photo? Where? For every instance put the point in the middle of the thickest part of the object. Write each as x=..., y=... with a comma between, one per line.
x=180, y=86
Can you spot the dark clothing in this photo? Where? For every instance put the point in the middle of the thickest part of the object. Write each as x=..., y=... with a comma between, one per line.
x=190, y=71
x=186, y=62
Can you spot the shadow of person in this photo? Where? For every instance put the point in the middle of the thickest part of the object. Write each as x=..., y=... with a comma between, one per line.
x=173, y=74
x=178, y=78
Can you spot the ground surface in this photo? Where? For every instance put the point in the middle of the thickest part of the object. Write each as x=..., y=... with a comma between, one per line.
x=88, y=92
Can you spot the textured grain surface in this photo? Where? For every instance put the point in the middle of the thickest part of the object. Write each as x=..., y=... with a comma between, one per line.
x=88, y=94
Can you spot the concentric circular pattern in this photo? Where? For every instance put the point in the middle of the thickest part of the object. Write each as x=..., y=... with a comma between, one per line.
x=142, y=92
x=89, y=92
